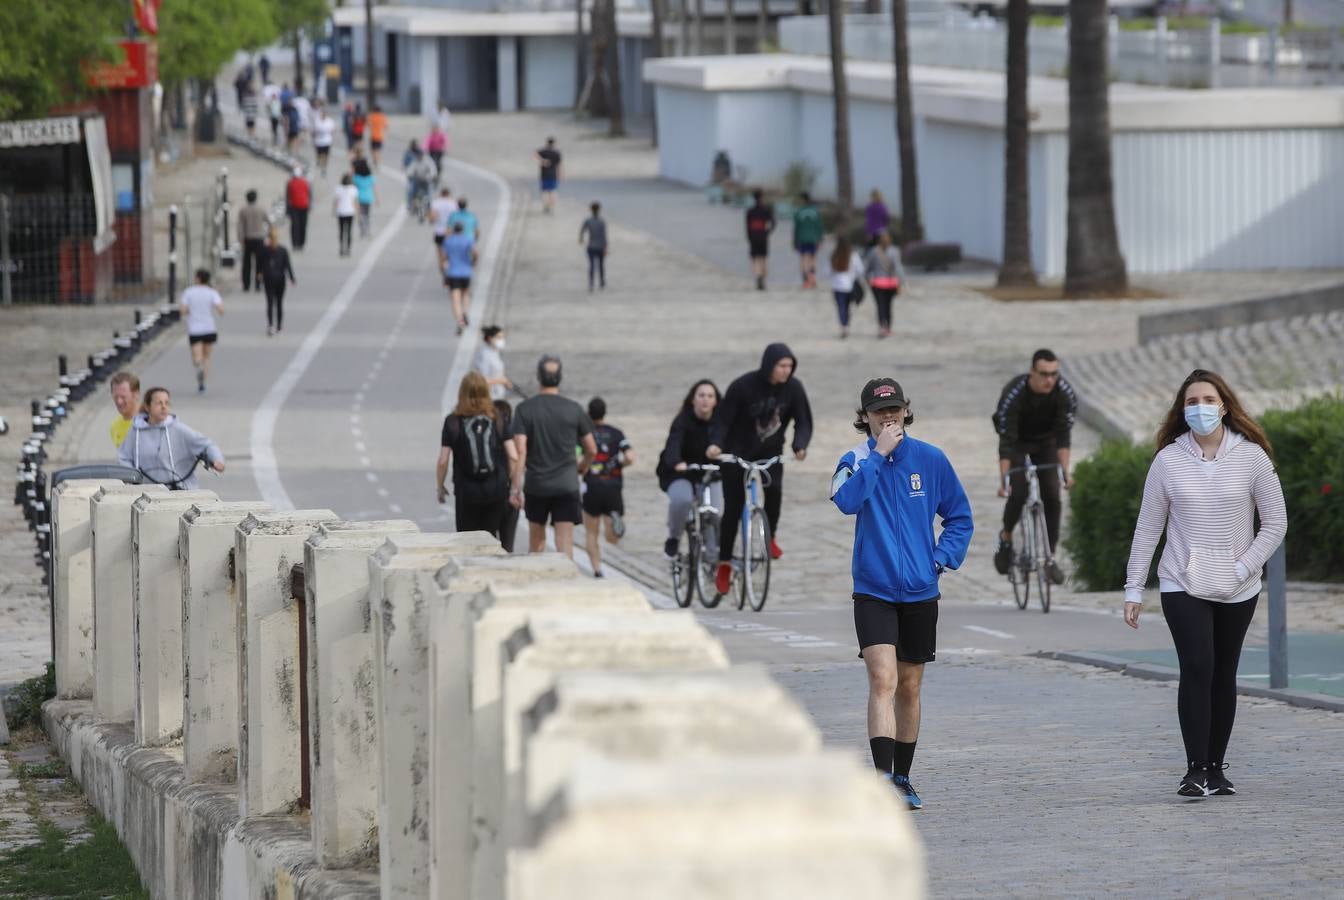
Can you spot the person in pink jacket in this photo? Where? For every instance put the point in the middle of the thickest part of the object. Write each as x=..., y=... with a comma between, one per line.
x=436, y=144
x=1213, y=471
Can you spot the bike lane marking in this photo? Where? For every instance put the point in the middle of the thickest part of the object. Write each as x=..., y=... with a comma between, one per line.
x=980, y=629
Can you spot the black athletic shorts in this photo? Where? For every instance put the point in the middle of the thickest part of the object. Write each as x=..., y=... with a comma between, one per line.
x=202, y=338
x=912, y=628
x=603, y=498
x=458, y=284
x=559, y=508
x=758, y=247
x=438, y=242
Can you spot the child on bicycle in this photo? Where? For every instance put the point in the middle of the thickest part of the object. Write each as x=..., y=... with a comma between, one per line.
x=895, y=486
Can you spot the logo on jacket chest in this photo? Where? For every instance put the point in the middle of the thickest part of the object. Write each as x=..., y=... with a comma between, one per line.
x=916, y=485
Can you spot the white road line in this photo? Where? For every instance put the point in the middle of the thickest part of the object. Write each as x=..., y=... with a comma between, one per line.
x=989, y=631
x=372, y=477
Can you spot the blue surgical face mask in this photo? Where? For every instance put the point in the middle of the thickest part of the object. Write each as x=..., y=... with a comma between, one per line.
x=1204, y=418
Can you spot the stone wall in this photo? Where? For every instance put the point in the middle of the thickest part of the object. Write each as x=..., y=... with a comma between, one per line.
x=287, y=705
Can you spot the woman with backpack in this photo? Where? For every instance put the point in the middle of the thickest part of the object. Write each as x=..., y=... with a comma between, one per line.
x=473, y=442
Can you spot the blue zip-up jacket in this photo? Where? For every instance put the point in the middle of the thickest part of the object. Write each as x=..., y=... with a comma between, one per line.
x=896, y=555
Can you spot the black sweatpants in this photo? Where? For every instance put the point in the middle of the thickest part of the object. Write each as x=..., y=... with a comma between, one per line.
x=253, y=248
x=1043, y=453
x=345, y=223
x=597, y=265
x=735, y=497
x=883, y=296
x=298, y=227
x=275, y=302
x=1208, y=638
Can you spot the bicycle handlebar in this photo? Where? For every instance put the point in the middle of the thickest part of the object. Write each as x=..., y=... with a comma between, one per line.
x=701, y=467
x=759, y=465
x=1033, y=468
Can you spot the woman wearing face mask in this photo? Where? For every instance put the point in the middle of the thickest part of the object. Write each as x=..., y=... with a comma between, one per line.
x=1213, y=471
x=490, y=363
x=687, y=440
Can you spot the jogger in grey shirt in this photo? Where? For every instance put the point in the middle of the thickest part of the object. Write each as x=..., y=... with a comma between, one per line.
x=595, y=228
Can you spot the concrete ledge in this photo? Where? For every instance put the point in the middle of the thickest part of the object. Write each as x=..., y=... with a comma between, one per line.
x=187, y=840
x=1154, y=672
x=1244, y=312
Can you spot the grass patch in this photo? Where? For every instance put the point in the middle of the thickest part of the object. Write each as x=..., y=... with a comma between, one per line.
x=27, y=699
x=52, y=768
x=97, y=868
x=1056, y=292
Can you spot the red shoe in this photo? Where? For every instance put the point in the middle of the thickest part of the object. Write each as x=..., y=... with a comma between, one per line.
x=723, y=578
x=775, y=552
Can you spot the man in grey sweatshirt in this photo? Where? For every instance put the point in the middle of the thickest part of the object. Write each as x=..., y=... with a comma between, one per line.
x=253, y=229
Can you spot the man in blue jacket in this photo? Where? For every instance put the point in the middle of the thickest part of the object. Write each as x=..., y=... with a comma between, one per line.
x=895, y=485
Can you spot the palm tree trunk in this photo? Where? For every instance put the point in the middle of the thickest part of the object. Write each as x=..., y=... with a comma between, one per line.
x=612, y=68
x=1016, y=269
x=1093, y=263
x=762, y=25
x=685, y=17
x=844, y=174
x=298, y=61
x=657, y=7
x=368, y=54
x=699, y=27
x=580, y=76
x=912, y=226
x=729, y=28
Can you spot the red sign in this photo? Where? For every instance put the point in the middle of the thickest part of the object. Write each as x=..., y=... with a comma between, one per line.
x=138, y=67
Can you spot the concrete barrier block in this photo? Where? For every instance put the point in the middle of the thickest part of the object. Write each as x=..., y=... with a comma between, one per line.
x=342, y=706
x=268, y=545
x=156, y=579
x=210, y=639
x=113, y=607
x=552, y=643
x=72, y=584
x=783, y=827
x=497, y=612
x=401, y=588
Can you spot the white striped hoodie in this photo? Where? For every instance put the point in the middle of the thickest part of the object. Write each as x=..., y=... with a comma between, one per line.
x=1208, y=509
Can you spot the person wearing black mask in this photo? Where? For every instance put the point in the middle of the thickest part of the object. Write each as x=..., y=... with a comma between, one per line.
x=750, y=424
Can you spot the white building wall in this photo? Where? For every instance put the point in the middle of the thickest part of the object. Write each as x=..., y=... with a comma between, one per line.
x=687, y=131
x=548, y=72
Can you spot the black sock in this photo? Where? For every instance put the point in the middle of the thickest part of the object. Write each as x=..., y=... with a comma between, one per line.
x=905, y=755
x=884, y=749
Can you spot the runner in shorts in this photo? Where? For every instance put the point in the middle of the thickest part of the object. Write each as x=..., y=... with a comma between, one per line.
x=548, y=158
x=459, y=253
x=895, y=485
x=760, y=223
x=808, y=231
x=200, y=304
x=440, y=208
x=602, y=485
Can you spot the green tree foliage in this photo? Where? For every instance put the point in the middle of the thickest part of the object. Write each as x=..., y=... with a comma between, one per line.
x=295, y=15
x=1309, y=451
x=42, y=46
x=1103, y=507
x=197, y=37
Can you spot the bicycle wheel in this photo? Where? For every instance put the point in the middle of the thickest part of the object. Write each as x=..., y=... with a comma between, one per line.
x=756, y=561
x=1042, y=557
x=706, y=561
x=683, y=584
x=1019, y=573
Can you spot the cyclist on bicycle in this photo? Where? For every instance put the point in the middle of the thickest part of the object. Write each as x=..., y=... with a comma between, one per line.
x=687, y=441
x=1034, y=418
x=896, y=486
x=165, y=450
x=750, y=424
x=421, y=174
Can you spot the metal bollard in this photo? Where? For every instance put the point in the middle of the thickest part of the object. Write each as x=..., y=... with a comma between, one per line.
x=172, y=256
x=1278, y=618
x=62, y=365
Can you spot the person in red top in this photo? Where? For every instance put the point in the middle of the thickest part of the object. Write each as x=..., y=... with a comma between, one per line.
x=760, y=222
x=298, y=198
x=377, y=134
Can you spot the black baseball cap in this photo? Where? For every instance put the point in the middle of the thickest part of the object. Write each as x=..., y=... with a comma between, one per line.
x=882, y=393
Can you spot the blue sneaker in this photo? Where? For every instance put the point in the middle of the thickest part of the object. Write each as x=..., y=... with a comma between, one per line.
x=906, y=790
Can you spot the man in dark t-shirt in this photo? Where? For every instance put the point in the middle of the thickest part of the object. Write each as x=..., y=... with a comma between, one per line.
x=546, y=429
x=760, y=222
x=602, y=484
x=549, y=159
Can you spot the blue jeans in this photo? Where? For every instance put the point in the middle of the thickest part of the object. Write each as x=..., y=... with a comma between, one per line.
x=842, y=307
x=597, y=265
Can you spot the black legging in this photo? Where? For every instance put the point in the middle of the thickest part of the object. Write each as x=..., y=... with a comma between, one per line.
x=597, y=264
x=1042, y=454
x=345, y=222
x=1208, y=638
x=275, y=302
x=298, y=227
x=735, y=497
x=253, y=248
x=883, y=297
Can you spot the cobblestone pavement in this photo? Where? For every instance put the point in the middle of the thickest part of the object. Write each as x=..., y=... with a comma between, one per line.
x=44, y=793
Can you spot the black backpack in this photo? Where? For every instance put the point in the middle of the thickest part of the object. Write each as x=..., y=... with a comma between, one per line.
x=481, y=460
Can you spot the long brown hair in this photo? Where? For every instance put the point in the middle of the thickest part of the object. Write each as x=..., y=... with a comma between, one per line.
x=840, y=257
x=1235, y=417
x=473, y=397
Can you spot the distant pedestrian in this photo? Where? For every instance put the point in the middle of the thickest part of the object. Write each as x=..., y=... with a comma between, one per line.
x=275, y=269
x=1212, y=475
x=602, y=483
x=459, y=254
x=760, y=224
x=264, y=66
x=200, y=304
x=324, y=134
x=348, y=125
x=482, y=459
x=443, y=119
x=895, y=487
x=253, y=226
x=377, y=134
x=595, y=229
x=490, y=362
x=687, y=441
x=125, y=389
x=441, y=208
x=549, y=159
x=546, y=429
x=846, y=283
x=466, y=218
x=293, y=127
x=298, y=200
x=247, y=101
x=358, y=125
x=364, y=185
x=420, y=177
x=883, y=270
x=436, y=144
x=163, y=449
x=508, y=530
x=876, y=219
x=274, y=111
x=807, y=234
x=240, y=83
x=345, y=203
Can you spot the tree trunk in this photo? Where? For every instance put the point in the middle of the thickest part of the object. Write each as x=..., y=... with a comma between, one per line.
x=873, y=7
x=684, y=18
x=579, y=76
x=657, y=7
x=1287, y=12
x=1093, y=264
x=1016, y=269
x=699, y=28
x=844, y=174
x=729, y=28
x=368, y=53
x=912, y=226
x=762, y=25
x=297, y=38
x=612, y=69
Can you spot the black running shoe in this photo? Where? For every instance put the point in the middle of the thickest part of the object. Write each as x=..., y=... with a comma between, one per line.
x=907, y=791
x=670, y=547
x=1217, y=781
x=1003, y=557
x=1195, y=784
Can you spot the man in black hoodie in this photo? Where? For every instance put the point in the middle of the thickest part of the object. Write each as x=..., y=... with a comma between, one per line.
x=750, y=424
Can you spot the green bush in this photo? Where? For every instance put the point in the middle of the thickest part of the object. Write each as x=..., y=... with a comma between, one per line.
x=1103, y=507
x=1309, y=452
x=25, y=700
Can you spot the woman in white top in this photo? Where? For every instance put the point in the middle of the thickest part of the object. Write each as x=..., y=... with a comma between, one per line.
x=345, y=203
x=846, y=272
x=324, y=131
x=490, y=363
x=1212, y=473
x=200, y=304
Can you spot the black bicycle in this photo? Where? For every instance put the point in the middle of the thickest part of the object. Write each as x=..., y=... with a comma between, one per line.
x=1032, y=557
x=693, y=571
x=170, y=479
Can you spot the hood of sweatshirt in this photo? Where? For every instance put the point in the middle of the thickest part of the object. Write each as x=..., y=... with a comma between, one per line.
x=771, y=357
x=1231, y=439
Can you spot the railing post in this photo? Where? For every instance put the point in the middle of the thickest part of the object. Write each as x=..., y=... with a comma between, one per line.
x=172, y=253
x=186, y=233
x=1278, y=618
x=224, y=204
x=6, y=287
